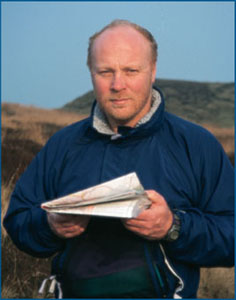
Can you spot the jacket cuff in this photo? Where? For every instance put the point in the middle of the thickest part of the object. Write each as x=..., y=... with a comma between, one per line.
x=46, y=234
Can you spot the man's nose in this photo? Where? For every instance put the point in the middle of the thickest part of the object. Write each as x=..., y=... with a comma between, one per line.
x=118, y=82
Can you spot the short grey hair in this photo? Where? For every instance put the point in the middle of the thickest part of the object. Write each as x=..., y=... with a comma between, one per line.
x=116, y=23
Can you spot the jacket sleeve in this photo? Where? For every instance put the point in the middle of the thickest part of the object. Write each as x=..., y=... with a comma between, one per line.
x=25, y=221
x=207, y=228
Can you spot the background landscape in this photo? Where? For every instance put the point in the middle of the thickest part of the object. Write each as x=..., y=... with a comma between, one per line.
x=25, y=129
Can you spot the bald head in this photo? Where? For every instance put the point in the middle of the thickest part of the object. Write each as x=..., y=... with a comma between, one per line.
x=122, y=27
x=122, y=44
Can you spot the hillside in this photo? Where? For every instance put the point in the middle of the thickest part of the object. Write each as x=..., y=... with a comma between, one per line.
x=200, y=102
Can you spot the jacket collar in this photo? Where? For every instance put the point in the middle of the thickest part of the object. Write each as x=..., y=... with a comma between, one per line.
x=145, y=126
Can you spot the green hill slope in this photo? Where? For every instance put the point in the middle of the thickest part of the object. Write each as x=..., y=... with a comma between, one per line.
x=200, y=102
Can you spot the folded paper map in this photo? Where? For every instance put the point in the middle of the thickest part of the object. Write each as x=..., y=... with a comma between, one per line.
x=123, y=197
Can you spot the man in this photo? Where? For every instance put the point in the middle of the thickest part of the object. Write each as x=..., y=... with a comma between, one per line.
x=185, y=171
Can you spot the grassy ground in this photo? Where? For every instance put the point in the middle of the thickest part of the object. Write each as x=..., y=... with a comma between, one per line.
x=24, y=131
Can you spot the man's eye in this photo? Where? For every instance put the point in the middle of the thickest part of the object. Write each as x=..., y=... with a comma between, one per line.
x=132, y=71
x=105, y=72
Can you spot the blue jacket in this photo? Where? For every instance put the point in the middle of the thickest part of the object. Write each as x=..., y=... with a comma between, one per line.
x=180, y=160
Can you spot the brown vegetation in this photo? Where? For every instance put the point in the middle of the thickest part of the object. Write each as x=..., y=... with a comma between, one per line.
x=226, y=137
x=24, y=131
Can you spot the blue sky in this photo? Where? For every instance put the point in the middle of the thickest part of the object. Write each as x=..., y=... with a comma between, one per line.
x=44, y=44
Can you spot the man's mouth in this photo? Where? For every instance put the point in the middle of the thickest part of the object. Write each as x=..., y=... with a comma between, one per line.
x=120, y=101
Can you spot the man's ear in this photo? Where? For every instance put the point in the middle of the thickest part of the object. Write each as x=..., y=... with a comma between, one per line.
x=154, y=69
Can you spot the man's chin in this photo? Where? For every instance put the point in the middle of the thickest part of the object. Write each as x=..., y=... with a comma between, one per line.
x=122, y=120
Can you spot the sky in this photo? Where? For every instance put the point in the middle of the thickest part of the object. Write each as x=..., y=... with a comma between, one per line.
x=44, y=44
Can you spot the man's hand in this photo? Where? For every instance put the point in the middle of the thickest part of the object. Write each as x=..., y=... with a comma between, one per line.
x=67, y=226
x=153, y=223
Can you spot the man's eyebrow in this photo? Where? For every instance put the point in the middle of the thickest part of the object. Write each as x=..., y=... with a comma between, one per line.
x=104, y=68
x=125, y=68
x=132, y=67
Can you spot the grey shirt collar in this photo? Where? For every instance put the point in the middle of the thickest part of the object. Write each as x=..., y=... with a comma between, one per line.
x=100, y=122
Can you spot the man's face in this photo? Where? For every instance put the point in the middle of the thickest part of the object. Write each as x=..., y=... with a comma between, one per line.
x=122, y=74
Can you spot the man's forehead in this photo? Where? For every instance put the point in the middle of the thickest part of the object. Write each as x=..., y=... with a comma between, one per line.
x=122, y=44
x=122, y=33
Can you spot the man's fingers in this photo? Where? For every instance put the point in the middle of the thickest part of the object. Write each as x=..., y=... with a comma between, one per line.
x=154, y=196
x=132, y=224
x=71, y=231
x=71, y=223
x=67, y=226
x=154, y=222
